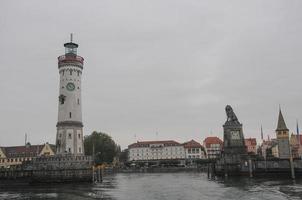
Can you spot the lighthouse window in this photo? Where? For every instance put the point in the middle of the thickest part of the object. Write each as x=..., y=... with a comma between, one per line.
x=69, y=114
x=62, y=98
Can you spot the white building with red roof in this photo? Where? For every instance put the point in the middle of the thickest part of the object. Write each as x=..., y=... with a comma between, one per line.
x=194, y=150
x=213, y=146
x=156, y=150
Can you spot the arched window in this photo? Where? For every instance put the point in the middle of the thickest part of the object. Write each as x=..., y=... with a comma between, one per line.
x=70, y=72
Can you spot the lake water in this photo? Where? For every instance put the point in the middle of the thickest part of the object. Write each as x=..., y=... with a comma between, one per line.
x=162, y=186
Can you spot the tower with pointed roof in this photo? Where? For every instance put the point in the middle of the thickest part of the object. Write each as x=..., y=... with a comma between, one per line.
x=282, y=133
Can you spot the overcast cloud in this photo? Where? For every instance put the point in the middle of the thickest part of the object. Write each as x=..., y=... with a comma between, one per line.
x=166, y=66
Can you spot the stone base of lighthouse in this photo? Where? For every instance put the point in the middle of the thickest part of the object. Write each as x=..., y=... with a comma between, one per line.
x=70, y=138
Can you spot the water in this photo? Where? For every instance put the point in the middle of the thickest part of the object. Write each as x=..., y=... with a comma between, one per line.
x=162, y=186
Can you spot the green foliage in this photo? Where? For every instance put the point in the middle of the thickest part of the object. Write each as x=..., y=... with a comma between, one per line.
x=105, y=149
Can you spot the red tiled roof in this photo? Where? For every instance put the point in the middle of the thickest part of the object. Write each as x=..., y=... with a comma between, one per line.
x=18, y=151
x=147, y=143
x=212, y=140
x=252, y=141
x=192, y=144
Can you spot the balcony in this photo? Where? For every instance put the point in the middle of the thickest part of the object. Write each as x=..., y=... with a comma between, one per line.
x=70, y=58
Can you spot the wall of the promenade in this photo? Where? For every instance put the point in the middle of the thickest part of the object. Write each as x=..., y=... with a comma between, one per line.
x=59, y=168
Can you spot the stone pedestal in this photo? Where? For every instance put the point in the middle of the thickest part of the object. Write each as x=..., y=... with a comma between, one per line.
x=234, y=150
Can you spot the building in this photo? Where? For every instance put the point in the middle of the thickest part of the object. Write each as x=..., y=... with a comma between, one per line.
x=296, y=147
x=213, y=146
x=194, y=150
x=266, y=144
x=16, y=155
x=275, y=150
x=251, y=145
x=269, y=149
x=156, y=150
x=69, y=138
x=282, y=133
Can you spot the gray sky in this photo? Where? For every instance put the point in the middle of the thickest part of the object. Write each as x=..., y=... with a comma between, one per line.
x=166, y=66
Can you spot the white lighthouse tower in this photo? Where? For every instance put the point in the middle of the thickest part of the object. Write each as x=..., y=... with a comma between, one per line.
x=69, y=138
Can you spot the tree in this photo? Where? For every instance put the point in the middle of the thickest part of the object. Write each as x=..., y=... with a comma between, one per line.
x=105, y=149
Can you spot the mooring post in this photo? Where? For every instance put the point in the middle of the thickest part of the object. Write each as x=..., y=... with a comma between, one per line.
x=250, y=168
x=292, y=168
x=208, y=171
x=99, y=174
x=102, y=173
x=291, y=163
x=212, y=171
x=92, y=174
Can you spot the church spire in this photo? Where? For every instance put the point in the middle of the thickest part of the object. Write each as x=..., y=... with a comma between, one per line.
x=281, y=123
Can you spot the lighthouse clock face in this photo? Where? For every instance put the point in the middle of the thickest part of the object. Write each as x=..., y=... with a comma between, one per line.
x=70, y=86
x=235, y=135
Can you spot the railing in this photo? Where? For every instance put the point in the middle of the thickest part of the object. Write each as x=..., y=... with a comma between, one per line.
x=70, y=58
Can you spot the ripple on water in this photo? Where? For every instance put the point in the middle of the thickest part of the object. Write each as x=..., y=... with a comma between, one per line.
x=163, y=186
x=6, y=195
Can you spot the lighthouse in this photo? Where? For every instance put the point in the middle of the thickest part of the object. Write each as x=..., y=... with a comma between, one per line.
x=69, y=138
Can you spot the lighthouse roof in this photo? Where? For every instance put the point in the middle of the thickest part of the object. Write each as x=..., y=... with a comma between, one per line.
x=71, y=45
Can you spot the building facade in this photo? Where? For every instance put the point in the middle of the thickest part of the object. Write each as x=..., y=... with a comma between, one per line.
x=194, y=150
x=296, y=147
x=251, y=145
x=16, y=155
x=269, y=149
x=69, y=138
x=213, y=147
x=156, y=150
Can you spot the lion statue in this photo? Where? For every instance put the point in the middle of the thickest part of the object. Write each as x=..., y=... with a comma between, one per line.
x=231, y=117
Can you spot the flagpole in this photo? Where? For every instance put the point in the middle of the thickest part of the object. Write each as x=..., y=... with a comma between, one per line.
x=298, y=134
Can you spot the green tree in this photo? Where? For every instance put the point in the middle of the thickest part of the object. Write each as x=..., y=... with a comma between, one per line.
x=105, y=149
